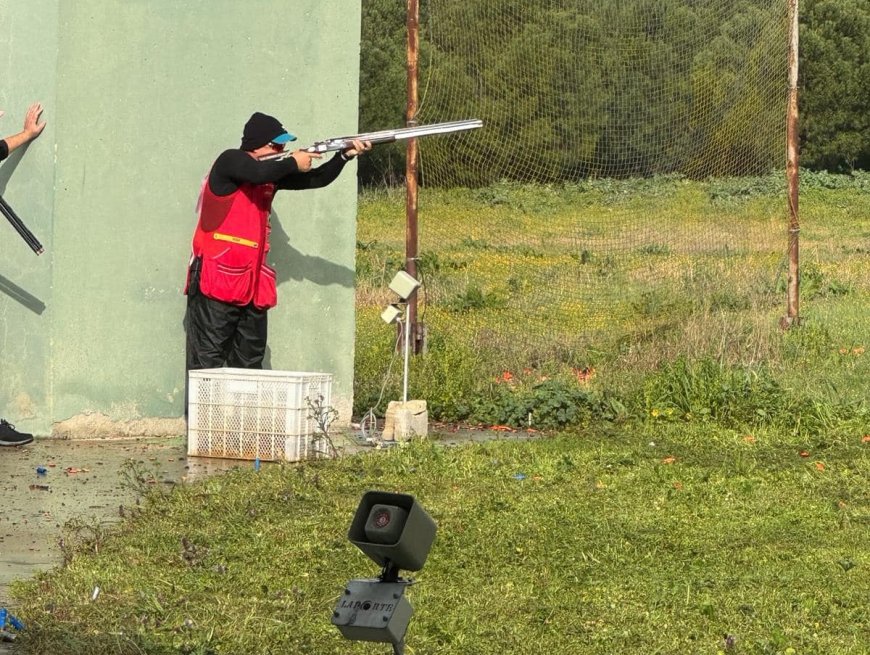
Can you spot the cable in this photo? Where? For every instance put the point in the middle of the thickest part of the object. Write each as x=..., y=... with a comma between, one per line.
x=369, y=418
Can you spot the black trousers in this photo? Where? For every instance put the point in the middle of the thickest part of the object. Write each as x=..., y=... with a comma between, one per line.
x=220, y=334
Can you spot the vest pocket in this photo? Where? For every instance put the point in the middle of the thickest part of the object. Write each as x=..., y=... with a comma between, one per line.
x=226, y=282
x=266, y=295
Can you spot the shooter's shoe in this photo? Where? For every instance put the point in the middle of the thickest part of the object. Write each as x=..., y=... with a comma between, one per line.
x=9, y=436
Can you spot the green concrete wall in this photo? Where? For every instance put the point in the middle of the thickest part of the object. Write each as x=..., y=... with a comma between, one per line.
x=141, y=96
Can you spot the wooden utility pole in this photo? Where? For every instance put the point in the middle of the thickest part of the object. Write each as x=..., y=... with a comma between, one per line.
x=413, y=19
x=792, y=316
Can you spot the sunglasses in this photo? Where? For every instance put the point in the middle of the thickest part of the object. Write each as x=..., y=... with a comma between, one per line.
x=277, y=147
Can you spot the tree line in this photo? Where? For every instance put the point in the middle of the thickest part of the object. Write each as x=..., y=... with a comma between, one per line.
x=740, y=65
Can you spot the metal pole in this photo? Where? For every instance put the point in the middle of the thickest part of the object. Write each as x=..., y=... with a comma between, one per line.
x=407, y=351
x=792, y=316
x=413, y=25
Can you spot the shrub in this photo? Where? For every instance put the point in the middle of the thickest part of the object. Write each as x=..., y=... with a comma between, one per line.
x=740, y=397
x=707, y=390
x=548, y=405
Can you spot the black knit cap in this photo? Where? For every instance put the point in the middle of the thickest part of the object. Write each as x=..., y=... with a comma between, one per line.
x=261, y=129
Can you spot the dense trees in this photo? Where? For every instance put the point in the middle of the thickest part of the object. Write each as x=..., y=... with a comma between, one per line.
x=382, y=84
x=635, y=87
x=835, y=84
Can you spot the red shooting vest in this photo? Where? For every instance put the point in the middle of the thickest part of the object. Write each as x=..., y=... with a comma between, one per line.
x=232, y=238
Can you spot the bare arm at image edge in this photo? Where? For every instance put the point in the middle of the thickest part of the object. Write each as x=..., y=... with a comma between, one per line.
x=32, y=129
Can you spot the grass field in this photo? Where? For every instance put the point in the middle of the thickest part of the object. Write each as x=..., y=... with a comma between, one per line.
x=661, y=539
x=619, y=277
x=704, y=488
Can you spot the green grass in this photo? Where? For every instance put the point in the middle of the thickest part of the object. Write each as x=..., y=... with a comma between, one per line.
x=623, y=277
x=653, y=540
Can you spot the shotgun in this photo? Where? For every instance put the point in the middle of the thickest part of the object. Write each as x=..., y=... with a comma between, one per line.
x=384, y=136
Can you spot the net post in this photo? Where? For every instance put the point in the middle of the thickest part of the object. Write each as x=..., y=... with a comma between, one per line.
x=792, y=316
x=413, y=28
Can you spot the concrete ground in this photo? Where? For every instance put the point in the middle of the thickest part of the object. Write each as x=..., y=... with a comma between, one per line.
x=80, y=480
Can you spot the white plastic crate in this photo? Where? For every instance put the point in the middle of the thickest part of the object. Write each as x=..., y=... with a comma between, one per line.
x=253, y=414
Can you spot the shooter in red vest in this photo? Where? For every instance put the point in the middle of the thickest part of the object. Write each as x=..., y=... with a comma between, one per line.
x=230, y=286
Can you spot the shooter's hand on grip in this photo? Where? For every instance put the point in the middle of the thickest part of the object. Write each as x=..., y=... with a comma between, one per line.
x=303, y=159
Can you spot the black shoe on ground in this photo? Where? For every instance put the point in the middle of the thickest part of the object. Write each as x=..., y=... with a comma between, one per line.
x=9, y=436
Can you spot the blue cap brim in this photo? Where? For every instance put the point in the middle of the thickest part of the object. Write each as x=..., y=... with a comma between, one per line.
x=284, y=138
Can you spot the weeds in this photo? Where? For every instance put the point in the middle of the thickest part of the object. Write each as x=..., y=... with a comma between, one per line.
x=79, y=535
x=707, y=390
x=142, y=480
x=475, y=298
x=323, y=416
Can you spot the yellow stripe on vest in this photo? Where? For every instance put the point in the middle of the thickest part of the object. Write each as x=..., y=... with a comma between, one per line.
x=239, y=240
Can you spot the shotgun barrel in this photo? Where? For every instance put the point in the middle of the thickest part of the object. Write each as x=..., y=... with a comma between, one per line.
x=20, y=227
x=384, y=136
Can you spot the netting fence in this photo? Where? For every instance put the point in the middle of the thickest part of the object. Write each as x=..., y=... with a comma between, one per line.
x=632, y=162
